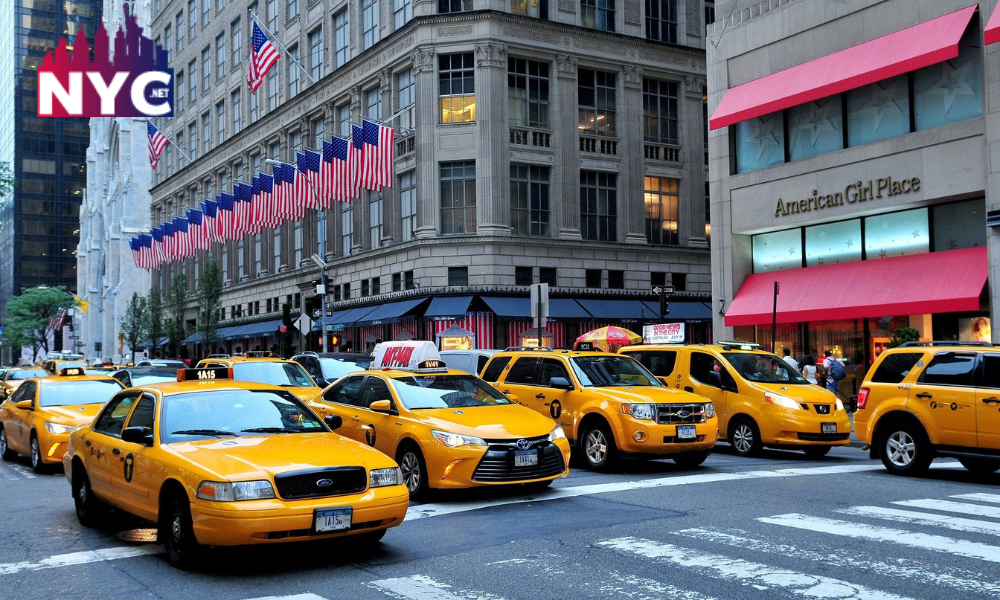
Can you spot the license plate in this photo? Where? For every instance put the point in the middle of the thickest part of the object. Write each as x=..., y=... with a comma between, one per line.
x=525, y=458
x=333, y=519
x=828, y=427
x=686, y=432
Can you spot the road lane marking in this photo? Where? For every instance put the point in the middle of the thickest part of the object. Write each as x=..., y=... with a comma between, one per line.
x=979, y=497
x=22, y=471
x=80, y=558
x=306, y=596
x=420, y=587
x=940, y=575
x=8, y=475
x=963, y=508
x=757, y=575
x=643, y=589
x=920, y=518
x=935, y=543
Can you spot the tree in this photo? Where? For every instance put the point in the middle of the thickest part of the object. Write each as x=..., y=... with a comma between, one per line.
x=135, y=322
x=176, y=304
x=34, y=315
x=154, y=323
x=903, y=335
x=286, y=337
x=209, y=304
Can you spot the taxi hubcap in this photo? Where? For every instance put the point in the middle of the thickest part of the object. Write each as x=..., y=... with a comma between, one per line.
x=175, y=528
x=35, y=454
x=410, y=467
x=901, y=448
x=81, y=494
x=743, y=438
x=3, y=441
x=597, y=446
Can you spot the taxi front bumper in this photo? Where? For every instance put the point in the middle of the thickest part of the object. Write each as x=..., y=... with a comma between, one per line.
x=276, y=521
x=52, y=446
x=455, y=468
x=647, y=437
x=780, y=426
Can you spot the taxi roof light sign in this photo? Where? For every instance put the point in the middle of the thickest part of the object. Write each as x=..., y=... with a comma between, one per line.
x=209, y=374
x=72, y=372
x=416, y=356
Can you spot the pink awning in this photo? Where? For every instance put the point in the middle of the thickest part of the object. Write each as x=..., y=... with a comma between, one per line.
x=992, y=32
x=888, y=56
x=949, y=281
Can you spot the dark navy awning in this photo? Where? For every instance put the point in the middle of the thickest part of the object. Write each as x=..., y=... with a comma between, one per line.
x=390, y=312
x=682, y=311
x=509, y=309
x=318, y=323
x=352, y=316
x=618, y=310
x=566, y=309
x=448, y=308
x=260, y=329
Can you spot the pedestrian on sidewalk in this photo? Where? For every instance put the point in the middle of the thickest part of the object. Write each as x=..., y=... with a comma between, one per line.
x=833, y=372
x=787, y=355
x=809, y=369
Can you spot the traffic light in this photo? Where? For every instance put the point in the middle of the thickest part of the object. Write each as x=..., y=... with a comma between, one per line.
x=335, y=341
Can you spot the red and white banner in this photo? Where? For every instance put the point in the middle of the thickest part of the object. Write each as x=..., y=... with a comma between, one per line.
x=480, y=324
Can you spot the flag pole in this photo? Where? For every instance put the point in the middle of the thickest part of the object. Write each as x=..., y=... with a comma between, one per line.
x=270, y=34
x=181, y=152
x=388, y=120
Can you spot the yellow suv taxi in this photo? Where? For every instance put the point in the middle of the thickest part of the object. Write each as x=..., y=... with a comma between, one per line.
x=447, y=429
x=761, y=399
x=214, y=462
x=13, y=378
x=608, y=405
x=928, y=399
x=264, y=367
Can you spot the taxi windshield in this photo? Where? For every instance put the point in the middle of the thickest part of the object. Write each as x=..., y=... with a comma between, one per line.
x=446, y=391
x=284, y=374
x=151, y=378
x=22, y=374
x=335, y=369
x=763, y=368
x=75, y=393
x=611, y=371
x=233, y=413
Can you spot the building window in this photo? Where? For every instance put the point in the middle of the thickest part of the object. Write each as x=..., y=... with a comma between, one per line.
x=297, y=242
x=192, y=71
x=593, y=278
x=406, y=98
x=547, y=275
x=277, y=252
x=375, y=219
x=346, y=228
x=530, y=8
x=458, y=197
x=220, y=122
x=679, y=281
x=272, y=15
x=341, y=38
x=206, y=13
x=180, y=145
x=616, y=280
x=179, y=102
x=254, y=108
x=659, y=111
x=952, y=90
x=293, y=9
x=529, y=200
x=318, y=132
x=293, y=71
x=528, y=92
x=523, y=276
x=257, y=266
x=661, y=20
x=240, y=267
x=408, y=204
x=373, y=103
x=397, y=282
x=369, y=23
x=657, y=278
x=760, y=142
x=206, y=131
x=220, y=55
x=272, y=88
x=364, y=288
x=599, y=206
x=296, y=142
x=206, y=70
x=347, y=291
x=344, y=119
x=180, y=32
x=709, y=11
x=458, y=276
x=402, y=13
x=376, y=286
x=316, y=54
x=408, y=282
x=192, y=20
x=598, y=14
x=597, y=97
x=192, y=140
x=168, y=38
x=219, y=5
x=815, y=128
x=661, y=211
x=457, y=80
x=225, y=262
x=454, y=6
x=237, y=111
x=236, y=33
x=878, y=111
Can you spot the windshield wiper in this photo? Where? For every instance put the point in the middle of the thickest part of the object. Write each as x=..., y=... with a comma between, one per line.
x=212, y=432
x=265, y=430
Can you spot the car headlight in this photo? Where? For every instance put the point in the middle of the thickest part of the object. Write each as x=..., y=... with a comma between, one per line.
x=557, y=434
x=840, y=405
x=384, y=477
x=643, y=411
x=454, y=440
x=57, y=428
x=709, y=410
x=224, y=491
x=780, y=400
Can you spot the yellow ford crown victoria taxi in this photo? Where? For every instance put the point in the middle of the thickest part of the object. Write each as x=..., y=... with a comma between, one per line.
x=223, y=463
x=37, y=419
x=608, y=404
x=446, y=428
x=263, y=367
x=761, y=400
x=13, y=379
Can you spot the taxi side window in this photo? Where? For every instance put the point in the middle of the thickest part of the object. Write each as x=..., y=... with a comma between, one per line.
x=346, y=392
x=495, y=368
x=991, y=371
x=659, y=362
x=895, y=367
x=481, y=362
x=949, y=368
x=142, y=416
x=375, y=390
x=702, y=364
x=551, y=368
x=25, y=392
x=112, y=418
x=311, y=366
x=523, y=371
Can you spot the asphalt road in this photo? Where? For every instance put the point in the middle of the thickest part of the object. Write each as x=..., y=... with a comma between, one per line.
x=780, y=526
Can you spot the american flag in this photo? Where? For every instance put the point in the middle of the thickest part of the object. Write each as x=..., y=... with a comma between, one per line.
x=262, y=57
x=301, y=194
x=326, y=182
x=146, y=251
x=168, y=241
x=244, y=197
x=378, y=155
x=133, y=243
x=340, y=170
x=270, y=213
x=225, y=217
x=256, y=208
x=196, y=229
x=356, y=160
x=155, y=142
x=182, y=241
x=209, y=223
x=159, y=255
x=308, y=167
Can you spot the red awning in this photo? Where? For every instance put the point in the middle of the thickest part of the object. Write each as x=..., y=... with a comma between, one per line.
x=992, y=33
x=937, y=282
x=888, y=56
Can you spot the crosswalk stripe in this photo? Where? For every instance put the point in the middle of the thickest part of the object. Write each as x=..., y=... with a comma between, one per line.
x=419, y=587
x=306, y=596
x=22, y=471
x=8, y=475
x=79, y=558
x=979, y=497
x=640, y=587
x=970, y=582
x=757, y=575
x=936, y=543
x=956, y=507
x=920, y=518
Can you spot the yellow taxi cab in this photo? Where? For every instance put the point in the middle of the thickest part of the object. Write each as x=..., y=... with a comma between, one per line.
x=13, y=378
x=216, y=462
x=446, y=428
x=55, y=366
x=264, y=367
x=37, y=419
x=932, y=399
x=608, y=404
x=761, y=399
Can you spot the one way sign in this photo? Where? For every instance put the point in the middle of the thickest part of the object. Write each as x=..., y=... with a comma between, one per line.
x=663, y=289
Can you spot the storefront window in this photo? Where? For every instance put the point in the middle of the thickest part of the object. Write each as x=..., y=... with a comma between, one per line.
x=959, y=225
x=760, y=143
x=951, y=91
x=897, y=234
x=777, y=251
x=878, y=111
x=833, y=243
x=815, y=128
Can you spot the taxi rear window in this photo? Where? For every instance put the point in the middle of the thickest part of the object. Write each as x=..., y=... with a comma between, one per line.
x=288, y=374
x=446, y=391
x=895, y=367
x=659, y=362
x=27, y=374
x=495, y=368
x=75, y=393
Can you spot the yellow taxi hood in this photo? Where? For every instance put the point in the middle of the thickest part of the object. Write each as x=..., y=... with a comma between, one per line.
x=489, y=422
x=800, y=392
x=263, y=456
x=304, y=393
x=646, y=393
x=72, y=415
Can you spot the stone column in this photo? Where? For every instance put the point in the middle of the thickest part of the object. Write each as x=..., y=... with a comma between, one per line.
x=566, y=188
x=631, y=209
x=691, y=207
x=426, y=118
x=390, y=195
x=492, y=140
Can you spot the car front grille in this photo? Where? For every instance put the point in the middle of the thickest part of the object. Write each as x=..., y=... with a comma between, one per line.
x=823, y=409
x=306, y=484
x=823, y=437
x=498, y=463
x=669, y=414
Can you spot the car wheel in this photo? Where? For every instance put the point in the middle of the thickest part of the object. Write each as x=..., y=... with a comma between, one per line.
x=744, y=436
x=538, y=486
x=177, y=534
x=5, y=452
x=369, y=539
x=816, y=451
x=904, y=449
x=980, y=466
x=89, y=509
x=36, y=455
x=691, y=459
x=597, y=446
x=414, y=469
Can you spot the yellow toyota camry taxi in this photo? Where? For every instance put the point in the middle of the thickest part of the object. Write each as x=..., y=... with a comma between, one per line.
x=215, y=462
x=13, y=379
x=37, y=419
x=446, y=428
x=264, y=367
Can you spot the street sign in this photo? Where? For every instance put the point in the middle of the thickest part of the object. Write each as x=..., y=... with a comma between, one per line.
x=304, y=323
x=540, y=302
x=663, y=289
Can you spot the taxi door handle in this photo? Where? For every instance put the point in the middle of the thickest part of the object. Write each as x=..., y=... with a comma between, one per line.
x=688, y=388
x=991, y=400
x=116, y=451
x=924, y=395
x=540, y=396
x=355, y=418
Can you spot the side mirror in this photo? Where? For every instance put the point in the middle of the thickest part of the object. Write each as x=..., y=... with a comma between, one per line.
x=381, y=406
x=664, y=381
x=334, y=421
x=560, y=383
x=137, y=435
x=24, y=405
x=715, y=379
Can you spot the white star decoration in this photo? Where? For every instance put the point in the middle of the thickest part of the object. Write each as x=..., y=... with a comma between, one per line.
x=952, y=84
x=817, y=121
x=882, y=102
x=762, y=134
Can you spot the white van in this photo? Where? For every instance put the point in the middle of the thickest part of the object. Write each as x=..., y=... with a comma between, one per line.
x=470, y=361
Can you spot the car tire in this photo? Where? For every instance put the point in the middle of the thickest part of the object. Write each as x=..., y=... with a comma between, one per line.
x=597, y=447
x=368, y=539
x=904, y=449
x=414, y=470
x=538, y=486
x=816, y=451
x=691, y=459
x=744, y=437
x=980, y=466
x=36, y=455
x=5, y=452
x=90, y=511
x=177, y=534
